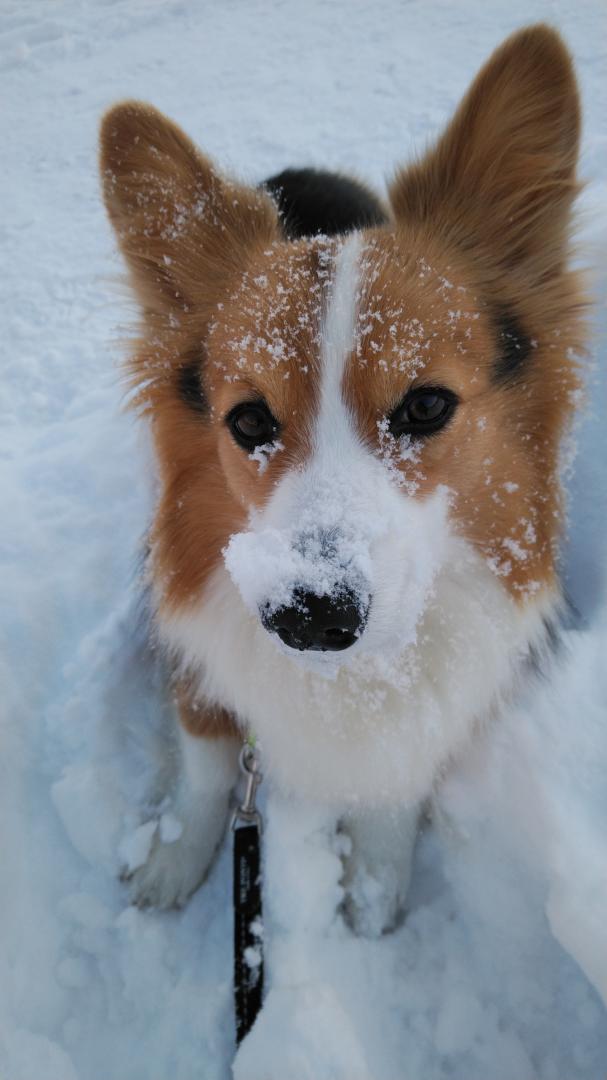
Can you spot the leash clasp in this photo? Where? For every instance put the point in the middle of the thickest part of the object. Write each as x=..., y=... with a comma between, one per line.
x=246, y=812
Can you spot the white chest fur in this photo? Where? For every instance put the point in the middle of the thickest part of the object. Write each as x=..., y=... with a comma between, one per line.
x=377, y=728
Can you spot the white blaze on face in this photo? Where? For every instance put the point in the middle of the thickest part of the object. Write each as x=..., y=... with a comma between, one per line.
x=341, y=521
x=334, y=429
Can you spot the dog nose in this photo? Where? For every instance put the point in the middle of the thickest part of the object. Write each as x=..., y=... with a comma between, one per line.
x=319, y=623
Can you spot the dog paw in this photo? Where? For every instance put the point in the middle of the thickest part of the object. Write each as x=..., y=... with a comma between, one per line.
x=377, y=857
x=373, y=906
x=167, y=879
x=176, y=862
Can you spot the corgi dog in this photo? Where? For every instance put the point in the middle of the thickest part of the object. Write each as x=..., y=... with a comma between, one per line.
x=357, y=412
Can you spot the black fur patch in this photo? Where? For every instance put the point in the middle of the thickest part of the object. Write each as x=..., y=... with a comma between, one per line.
x=541, y=656
x=313, y=201
x=513, y=347
x=189, y=385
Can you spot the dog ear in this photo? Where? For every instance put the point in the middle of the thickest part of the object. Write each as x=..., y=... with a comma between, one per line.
x=501, y=179
x=182, y=228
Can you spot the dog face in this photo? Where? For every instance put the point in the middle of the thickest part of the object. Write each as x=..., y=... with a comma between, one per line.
x=337, y=420
x=339, y=554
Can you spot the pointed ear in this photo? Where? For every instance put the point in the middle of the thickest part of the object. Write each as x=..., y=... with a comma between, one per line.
x=501, y=179
x=182, y=228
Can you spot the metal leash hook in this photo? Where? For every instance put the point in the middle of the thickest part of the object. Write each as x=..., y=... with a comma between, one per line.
x=248, y=925
x=247, y=811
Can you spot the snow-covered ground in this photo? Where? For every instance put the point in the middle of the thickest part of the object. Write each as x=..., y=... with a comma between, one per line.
x=500, y=970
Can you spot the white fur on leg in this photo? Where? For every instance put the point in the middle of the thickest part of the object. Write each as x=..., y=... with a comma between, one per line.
x=180, y=857
x=378, y=867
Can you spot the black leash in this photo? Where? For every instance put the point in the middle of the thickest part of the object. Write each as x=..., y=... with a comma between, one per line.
x=248, y=925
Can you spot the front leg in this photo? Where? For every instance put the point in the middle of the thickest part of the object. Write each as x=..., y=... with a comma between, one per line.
x=378, y=867
x=196, y=810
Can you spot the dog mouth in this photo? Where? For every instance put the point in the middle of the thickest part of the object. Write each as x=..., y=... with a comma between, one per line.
x=312, y=623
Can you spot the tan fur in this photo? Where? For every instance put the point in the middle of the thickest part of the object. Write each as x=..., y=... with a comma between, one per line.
x=184, y=263
x=184, y=230
x=202, y=720
x=498, y=188
x=499, y=453
x=500, y=182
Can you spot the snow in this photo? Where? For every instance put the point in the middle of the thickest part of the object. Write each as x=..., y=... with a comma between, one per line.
x=263, y=454
x=499, y=970
x=266, y=565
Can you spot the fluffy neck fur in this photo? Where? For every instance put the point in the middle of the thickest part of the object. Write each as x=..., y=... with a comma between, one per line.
x=379, y=729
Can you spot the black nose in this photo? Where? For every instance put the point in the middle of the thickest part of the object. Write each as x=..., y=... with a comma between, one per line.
x=319, y=623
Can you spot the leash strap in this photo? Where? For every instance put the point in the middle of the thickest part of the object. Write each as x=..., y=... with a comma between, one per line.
x=248, y=925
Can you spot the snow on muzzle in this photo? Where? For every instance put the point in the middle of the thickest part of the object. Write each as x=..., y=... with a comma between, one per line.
x=341, y=561
x=311, y=588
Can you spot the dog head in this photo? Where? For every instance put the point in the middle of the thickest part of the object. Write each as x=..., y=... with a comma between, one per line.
x=330, y=413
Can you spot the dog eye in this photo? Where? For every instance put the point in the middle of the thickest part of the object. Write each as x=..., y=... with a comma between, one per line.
x=423, y=411
x=252, y=424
